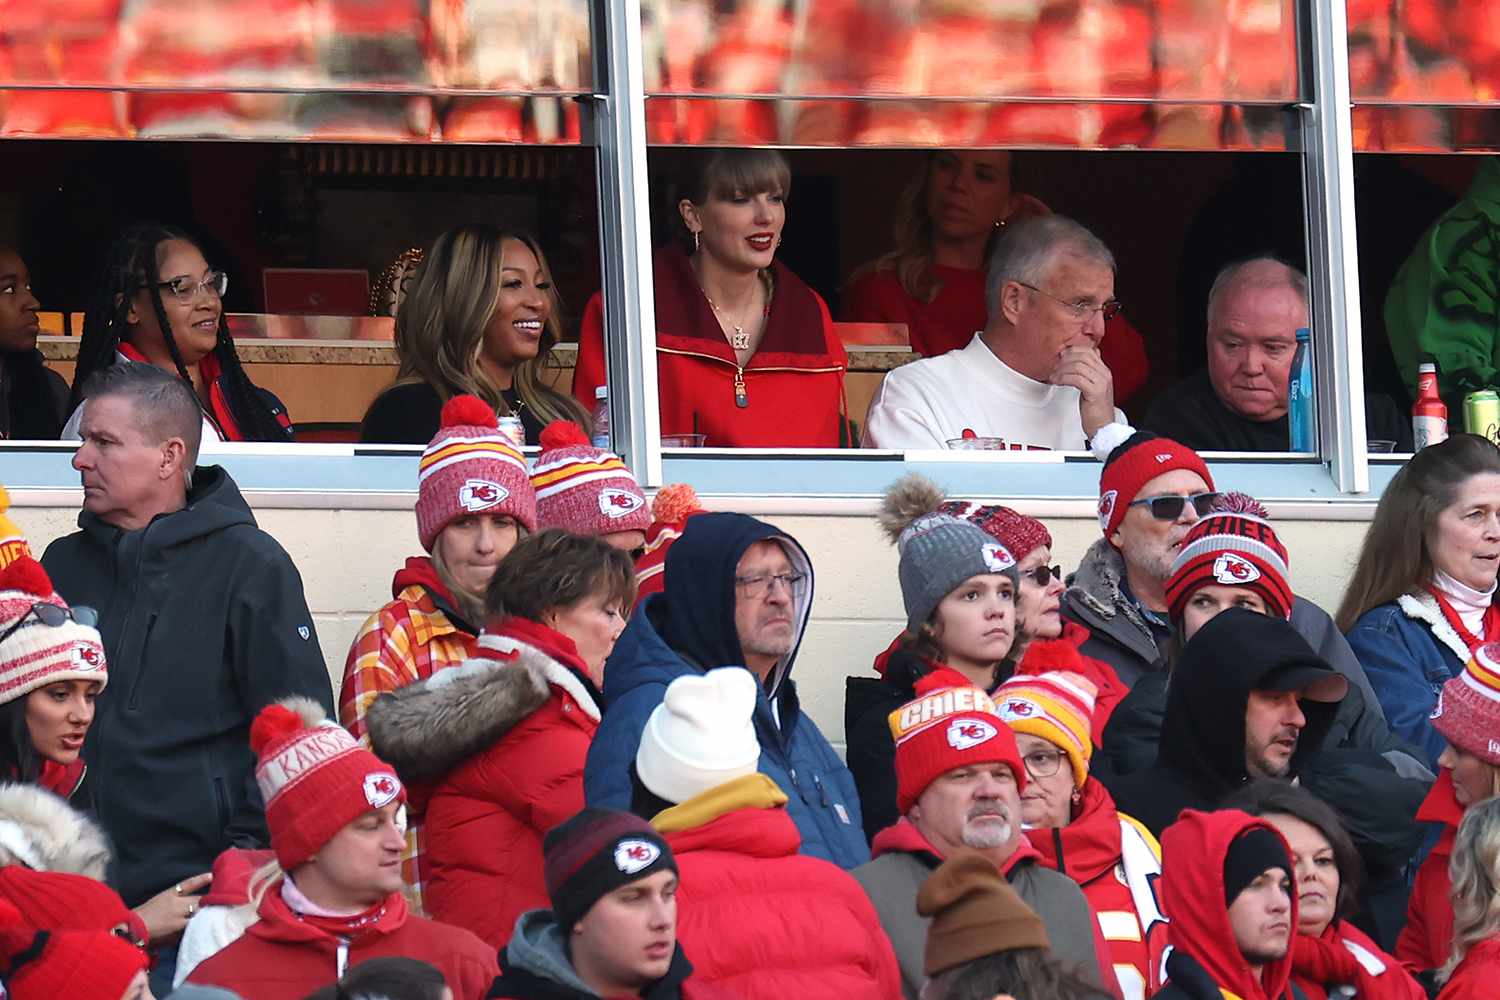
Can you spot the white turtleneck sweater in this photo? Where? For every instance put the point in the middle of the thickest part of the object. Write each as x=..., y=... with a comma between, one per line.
x=1470, y=604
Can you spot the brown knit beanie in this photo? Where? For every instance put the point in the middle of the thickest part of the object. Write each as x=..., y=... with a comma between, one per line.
x=974, y=913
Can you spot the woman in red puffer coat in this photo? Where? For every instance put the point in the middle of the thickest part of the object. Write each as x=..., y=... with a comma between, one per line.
x=503, y=737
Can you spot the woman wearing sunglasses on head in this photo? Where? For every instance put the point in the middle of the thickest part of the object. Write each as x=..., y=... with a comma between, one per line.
x=159, y=302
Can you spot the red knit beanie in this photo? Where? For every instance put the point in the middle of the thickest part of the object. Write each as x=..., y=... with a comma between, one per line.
x=315, y=778
x=50, y=965
x=62, y=901
x=1468, y=707
x=1021, y=535
x=470, y=468
x=1235, y=546
x=1135, y=463
x=38, y=654
x=944, y=728
x=674, y=504
x=583, y=489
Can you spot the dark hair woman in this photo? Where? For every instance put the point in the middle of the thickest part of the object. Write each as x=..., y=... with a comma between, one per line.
x=391, y=978
x=746, y=351
x=503, y=737
x=946, y=221
x=32, y=396
x=1422, y=597
x=480, y=318
x=159, y=302
x=1328, y=951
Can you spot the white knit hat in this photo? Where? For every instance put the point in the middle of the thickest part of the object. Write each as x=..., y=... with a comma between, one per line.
x=701, y=735
x=37, y=654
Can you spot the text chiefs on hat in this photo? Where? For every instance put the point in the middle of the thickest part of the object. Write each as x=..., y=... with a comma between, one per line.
x=942, y=703
x=632, y=856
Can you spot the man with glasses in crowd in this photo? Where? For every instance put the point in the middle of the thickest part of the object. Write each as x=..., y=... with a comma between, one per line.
x=1033, y=376
x=737, y=593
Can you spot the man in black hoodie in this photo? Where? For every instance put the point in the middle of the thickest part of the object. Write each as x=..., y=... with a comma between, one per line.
x=204, y=623
x=1249, y=699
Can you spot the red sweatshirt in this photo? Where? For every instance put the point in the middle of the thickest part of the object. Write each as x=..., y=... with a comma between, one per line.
x=1427, y=938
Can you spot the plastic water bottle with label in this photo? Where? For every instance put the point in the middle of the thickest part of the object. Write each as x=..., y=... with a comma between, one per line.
x=599, y=427
x=1301, y=406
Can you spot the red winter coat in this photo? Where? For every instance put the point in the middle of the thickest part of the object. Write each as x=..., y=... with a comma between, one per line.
x=1477, y=975
x=793, y=387
x=756, y=918
x=1343, y=956
x=503, y=738
x=283, y=957
x=1089, y=851
x=1427, y=939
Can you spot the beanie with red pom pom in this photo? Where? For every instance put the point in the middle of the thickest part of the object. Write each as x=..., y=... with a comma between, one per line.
x=315, y=778
x=583, y=489
x=471, y=468
x=674, y=504
x=80, y=965
x=37, y=654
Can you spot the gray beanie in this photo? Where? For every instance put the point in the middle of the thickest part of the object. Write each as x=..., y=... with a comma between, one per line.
x=938, y=551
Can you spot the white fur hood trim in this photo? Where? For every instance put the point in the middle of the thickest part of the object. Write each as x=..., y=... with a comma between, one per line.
x=1423, y=607
x=41, y=831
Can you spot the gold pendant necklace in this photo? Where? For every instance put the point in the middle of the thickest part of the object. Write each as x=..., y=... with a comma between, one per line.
x=740, y=341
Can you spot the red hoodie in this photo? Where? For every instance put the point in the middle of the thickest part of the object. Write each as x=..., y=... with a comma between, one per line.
x=1427, y=938
x=1193, y=852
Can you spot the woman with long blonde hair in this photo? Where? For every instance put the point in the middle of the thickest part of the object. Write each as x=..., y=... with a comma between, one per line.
x=1470, y=971
x=481, y=319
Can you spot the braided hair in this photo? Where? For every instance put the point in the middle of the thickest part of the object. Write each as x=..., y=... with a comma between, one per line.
x=129, y=266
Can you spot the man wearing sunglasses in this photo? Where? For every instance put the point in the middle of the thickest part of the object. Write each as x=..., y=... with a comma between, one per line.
x=204, y=623
x=1033, y=376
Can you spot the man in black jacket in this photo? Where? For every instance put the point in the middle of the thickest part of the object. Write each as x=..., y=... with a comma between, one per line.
x=1249, y=699
x=204, y=623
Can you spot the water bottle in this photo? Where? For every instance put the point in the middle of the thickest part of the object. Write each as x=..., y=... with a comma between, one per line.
x=599, y=427
x=1301, y=406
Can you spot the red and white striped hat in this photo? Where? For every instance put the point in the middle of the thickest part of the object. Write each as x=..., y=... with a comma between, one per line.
x=315, y=778
x=471, y=468
x=37, y=654
x=583, y=489
x=1058, y=707
x=1468, y=707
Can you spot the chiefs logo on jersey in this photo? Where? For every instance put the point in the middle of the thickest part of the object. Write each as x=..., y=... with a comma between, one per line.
x=1107, y=508
x=1232, y=570
x=965, y=734
x=477, y=495
x=381, y=789
x=632, y=856
x=1016, y=708
x=87, y=657
x=618, y=503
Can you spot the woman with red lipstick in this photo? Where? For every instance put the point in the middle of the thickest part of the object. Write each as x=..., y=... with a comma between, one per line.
x=480, y=319
x=746, y=352
x=946, y=222
x=33, y=397
x=1328, y=951
x=159, y=302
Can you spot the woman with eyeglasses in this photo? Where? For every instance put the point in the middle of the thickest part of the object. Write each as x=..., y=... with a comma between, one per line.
x=501, y=739
x=1422, y=597
x=946, y=223
x=158, y=301
x=52, y=670
x=1071, y=820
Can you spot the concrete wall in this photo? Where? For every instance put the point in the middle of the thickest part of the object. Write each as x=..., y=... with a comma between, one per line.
x=347, y=557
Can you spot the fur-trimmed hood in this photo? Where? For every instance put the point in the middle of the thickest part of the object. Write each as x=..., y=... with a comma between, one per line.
x=1421, y=606
x=426, y=729
x=41, y=831
x=1099, y=586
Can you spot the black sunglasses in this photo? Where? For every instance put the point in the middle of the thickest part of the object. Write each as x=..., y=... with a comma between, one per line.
x=1041, y=576
x=53, y=615
x=1169, y=508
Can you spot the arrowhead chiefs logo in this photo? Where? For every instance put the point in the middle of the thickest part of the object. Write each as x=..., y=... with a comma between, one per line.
x=476, y=495
x=1232, y=570
x=997, y=557
x=965, y=734
x=1107, y=508
x=632, y=856
x=1161, y=459
x=381, y=789
x=1017, y=708
x=87, y=657
x=618, y=503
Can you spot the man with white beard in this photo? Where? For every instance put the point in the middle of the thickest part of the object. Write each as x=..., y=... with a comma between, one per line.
x=959, y=778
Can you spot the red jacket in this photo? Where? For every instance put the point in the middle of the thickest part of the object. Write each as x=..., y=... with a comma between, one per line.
x=1476, y=975
x=62, y=779
x=1090, y=850
x=284, y=957
x=1427, y=939
x=793, y=387
x=1343, y=956
x=756, y=918
x=1193, y=851
x=1064, y=653
x=504, y=738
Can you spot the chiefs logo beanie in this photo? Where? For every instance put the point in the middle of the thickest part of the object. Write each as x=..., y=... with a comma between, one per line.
x=1142, y=458
x=947, y=727
x=469, y=467
x=36, y=653
x=1234, y=546
x=583, y=489
x=595, y=853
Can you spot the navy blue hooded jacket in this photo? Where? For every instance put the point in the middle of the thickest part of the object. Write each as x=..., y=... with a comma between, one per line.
x=689, y=628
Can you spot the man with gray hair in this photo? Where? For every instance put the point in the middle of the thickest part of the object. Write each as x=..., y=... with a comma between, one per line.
x=1033, y=375
x=1239, y=402
x=204, y=624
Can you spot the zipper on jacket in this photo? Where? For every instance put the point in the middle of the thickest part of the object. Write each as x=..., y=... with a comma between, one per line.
x=792, y=772
x=341, y=960
x=741, y=394
x=140, y=673
x=822, y=791
x=221, y=799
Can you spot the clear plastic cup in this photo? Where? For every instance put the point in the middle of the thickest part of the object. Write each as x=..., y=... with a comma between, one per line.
x=976, y=444
x=683, y=440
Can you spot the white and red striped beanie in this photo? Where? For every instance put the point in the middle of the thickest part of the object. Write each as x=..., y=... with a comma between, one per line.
x=315, y=778
x=36, y=654
x=469, y=467
x=1057, y=707
x=583, y=489
x=1468, y=707
x=1234, y=546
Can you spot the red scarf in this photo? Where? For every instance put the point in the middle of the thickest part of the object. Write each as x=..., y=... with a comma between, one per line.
x=1472, y=641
